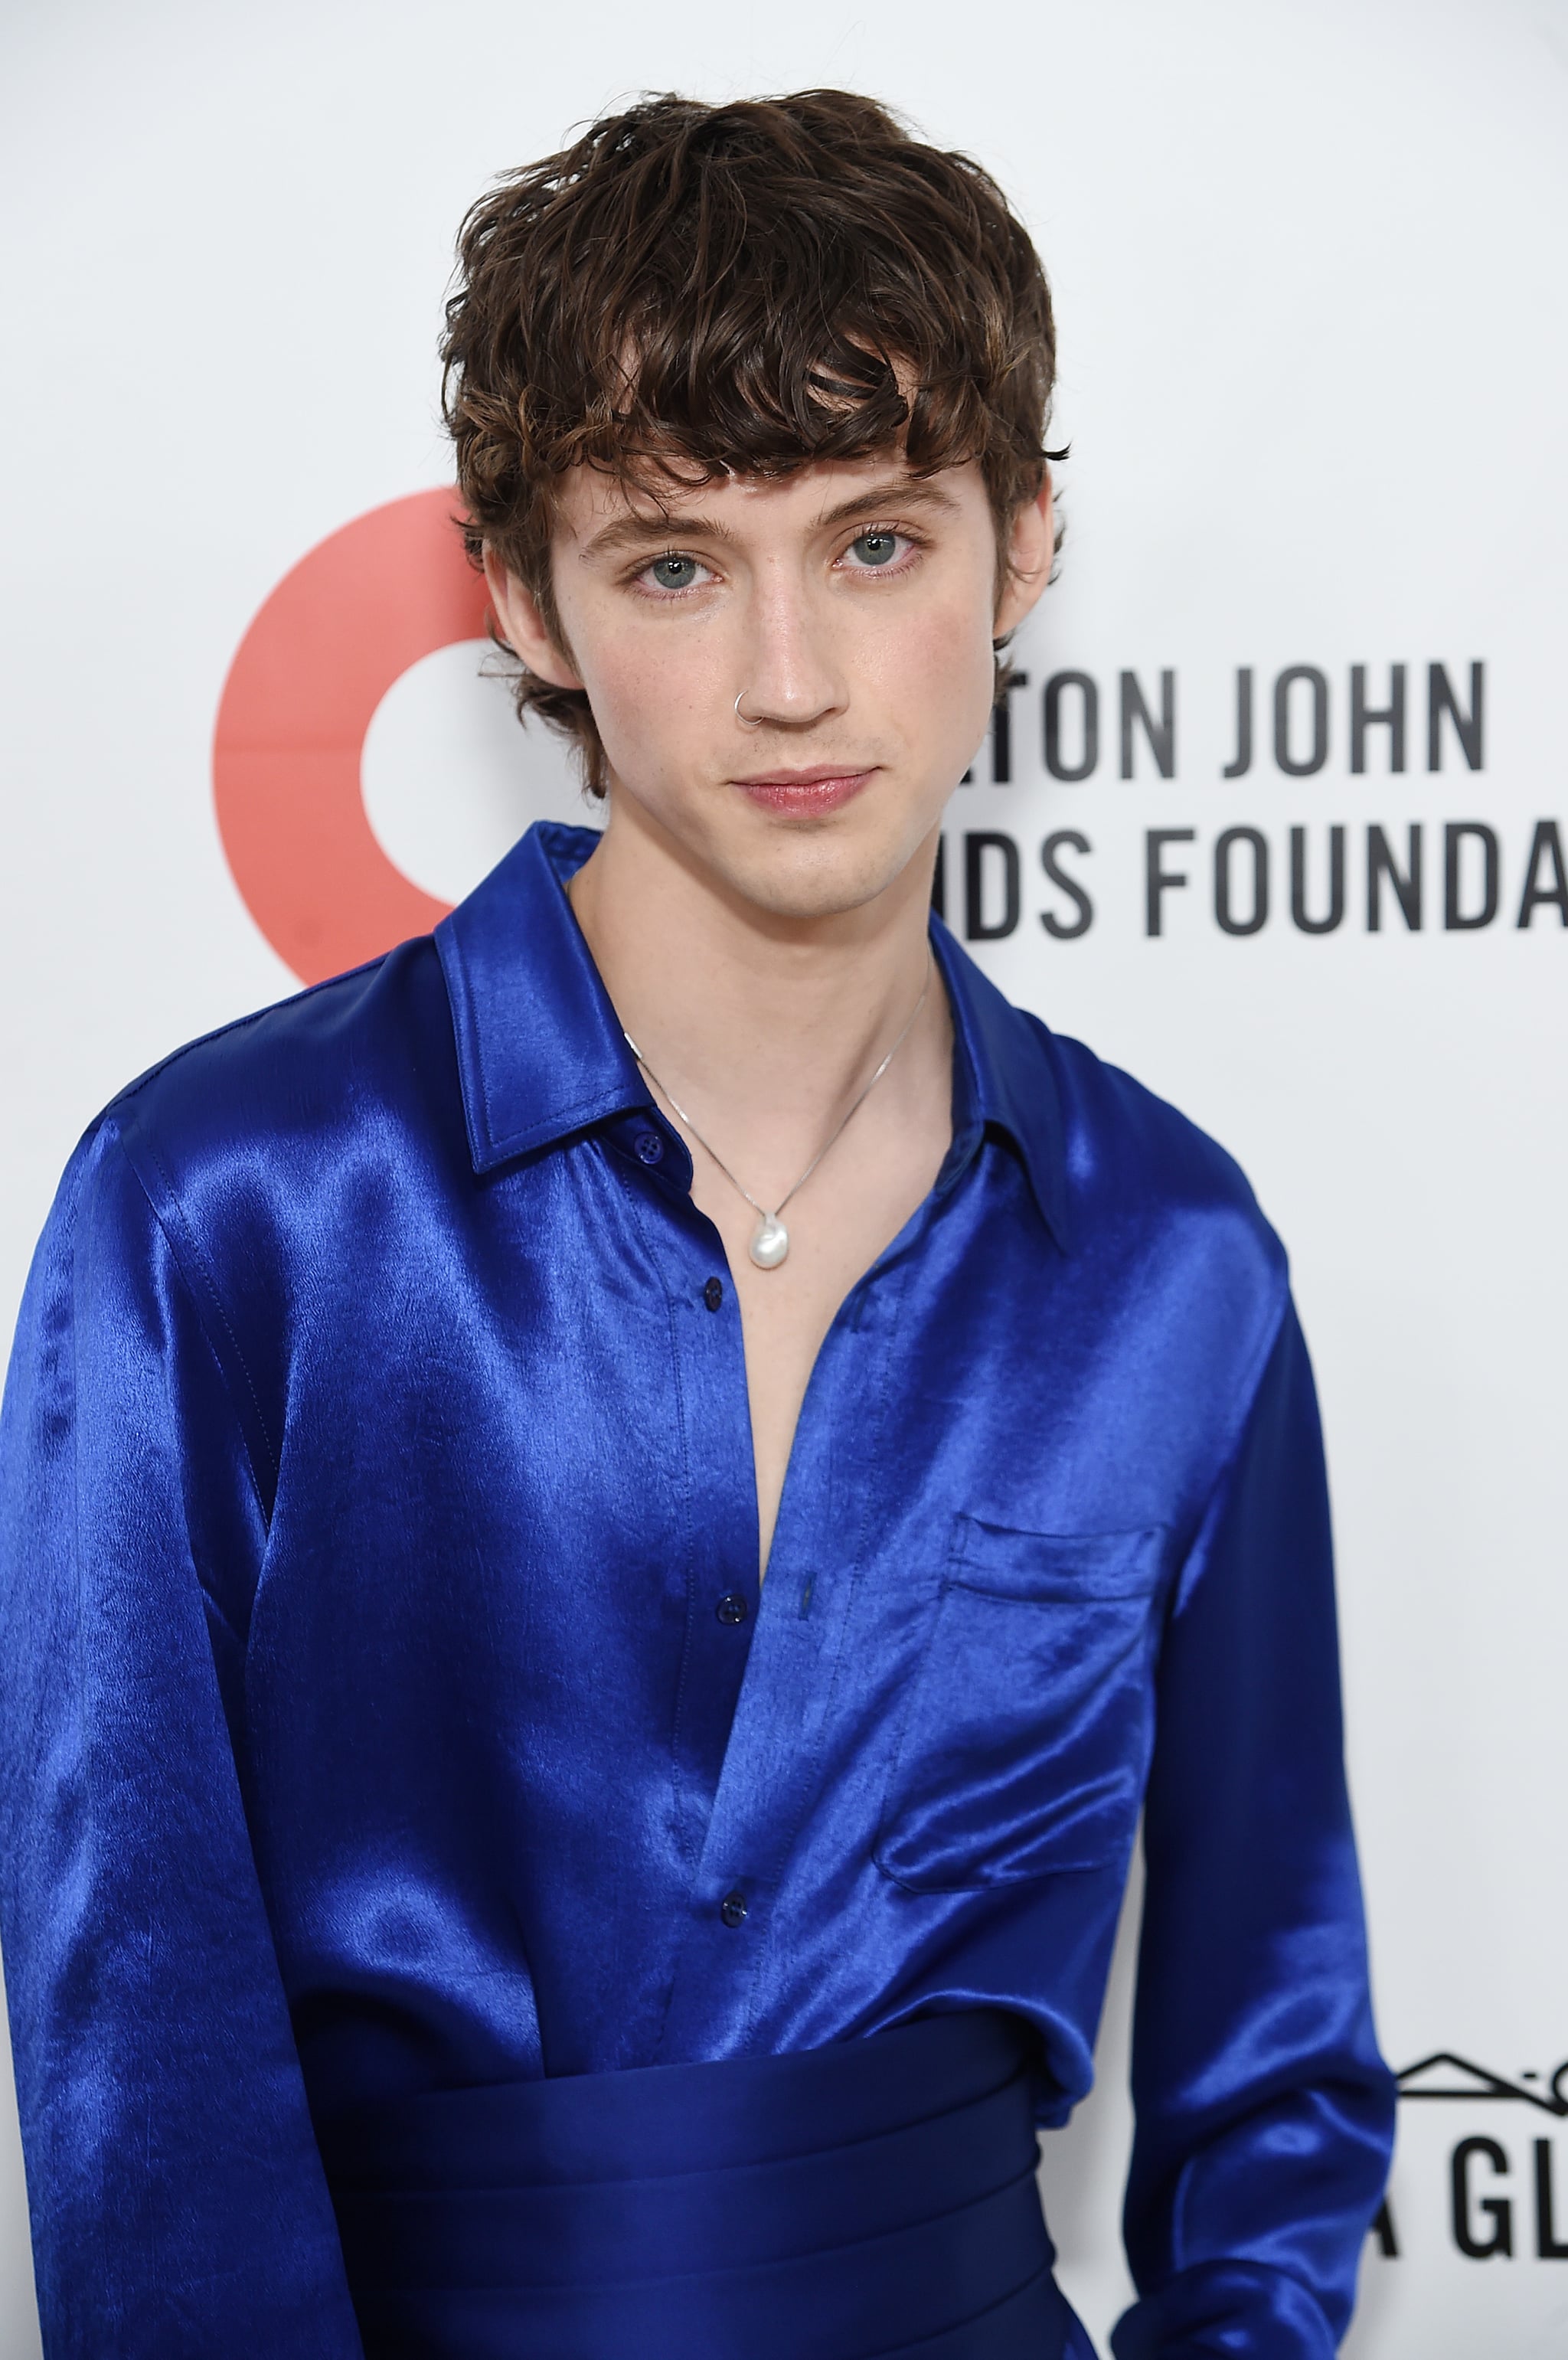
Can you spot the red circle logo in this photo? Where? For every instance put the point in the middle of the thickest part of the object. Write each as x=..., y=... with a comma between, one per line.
x=348, y=621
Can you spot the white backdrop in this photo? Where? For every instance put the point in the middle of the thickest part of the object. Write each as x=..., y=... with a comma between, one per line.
x=1314, y=368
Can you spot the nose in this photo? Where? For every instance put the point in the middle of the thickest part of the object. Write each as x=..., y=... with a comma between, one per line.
x=791, y=676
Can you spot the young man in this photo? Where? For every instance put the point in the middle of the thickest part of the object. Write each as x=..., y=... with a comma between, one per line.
x=610, y=1521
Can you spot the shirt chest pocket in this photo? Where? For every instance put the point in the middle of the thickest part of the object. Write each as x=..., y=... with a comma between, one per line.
x=1026, y=1743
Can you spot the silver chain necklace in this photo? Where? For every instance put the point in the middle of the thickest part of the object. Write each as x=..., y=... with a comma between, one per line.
x=770, y=1240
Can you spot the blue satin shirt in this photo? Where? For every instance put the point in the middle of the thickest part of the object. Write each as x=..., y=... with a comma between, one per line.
x=389, y=1702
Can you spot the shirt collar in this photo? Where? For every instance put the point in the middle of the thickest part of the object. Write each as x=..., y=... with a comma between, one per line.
x=541, y=1056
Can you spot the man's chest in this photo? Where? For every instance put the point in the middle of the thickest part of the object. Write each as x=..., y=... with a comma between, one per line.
x=517, y=1492
x=510, y=1615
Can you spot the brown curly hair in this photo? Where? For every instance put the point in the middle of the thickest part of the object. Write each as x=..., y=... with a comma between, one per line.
x=735, y=289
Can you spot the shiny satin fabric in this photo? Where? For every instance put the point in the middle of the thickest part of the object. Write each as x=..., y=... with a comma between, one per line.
x=389, y=1703
x=871, y=2201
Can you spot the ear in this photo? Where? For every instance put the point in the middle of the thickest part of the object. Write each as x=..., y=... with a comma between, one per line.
x=522, y=625
x=1032, y=546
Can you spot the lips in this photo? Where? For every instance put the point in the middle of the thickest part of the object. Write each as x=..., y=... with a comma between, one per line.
x=806, y=794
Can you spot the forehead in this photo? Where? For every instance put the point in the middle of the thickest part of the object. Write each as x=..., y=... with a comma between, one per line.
x=591, y=502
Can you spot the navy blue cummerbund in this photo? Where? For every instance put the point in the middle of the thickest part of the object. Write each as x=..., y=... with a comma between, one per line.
x=865, y=2201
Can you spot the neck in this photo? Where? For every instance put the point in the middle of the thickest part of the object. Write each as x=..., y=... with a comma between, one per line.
x=762, y=1025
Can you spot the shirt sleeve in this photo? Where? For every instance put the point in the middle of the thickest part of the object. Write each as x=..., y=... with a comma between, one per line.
x=178, y=2203
x=1265, y=2114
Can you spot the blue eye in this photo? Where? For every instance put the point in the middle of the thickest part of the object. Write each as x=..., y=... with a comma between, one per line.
x=674, y=573
x=876, y=548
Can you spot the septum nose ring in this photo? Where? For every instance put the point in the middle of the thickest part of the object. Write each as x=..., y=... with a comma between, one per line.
x=744, y=718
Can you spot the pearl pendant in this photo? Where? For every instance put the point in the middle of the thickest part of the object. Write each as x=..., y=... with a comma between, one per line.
x=769, y=1243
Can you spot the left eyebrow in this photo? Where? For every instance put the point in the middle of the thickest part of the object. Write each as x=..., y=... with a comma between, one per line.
x=899, y=492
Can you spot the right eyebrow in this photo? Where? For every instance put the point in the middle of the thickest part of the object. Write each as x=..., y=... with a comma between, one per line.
x=650, y=532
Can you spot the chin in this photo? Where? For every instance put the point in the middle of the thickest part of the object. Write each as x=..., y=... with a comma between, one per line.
x=820, y=876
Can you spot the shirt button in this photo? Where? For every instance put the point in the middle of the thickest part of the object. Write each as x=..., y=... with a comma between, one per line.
x=649, y=1147
x=713, y=1293
x=732, y=1606
x=732, y=1909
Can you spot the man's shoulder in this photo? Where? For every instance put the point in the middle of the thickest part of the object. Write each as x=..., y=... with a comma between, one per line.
x=293, y=1079
x=1139, y=1169
x=1108, y=1112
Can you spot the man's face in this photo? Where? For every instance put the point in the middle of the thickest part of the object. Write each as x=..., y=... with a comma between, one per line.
x=850, y=608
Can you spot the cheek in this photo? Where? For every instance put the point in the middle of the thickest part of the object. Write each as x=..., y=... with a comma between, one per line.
x=935, y=667
x=650, y=691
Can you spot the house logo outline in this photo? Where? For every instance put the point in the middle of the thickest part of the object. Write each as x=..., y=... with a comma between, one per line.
x=1446, y=2076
